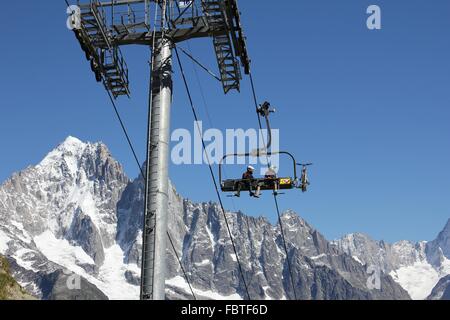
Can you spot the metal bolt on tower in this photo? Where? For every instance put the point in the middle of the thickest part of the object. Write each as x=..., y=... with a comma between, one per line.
x=106, y=26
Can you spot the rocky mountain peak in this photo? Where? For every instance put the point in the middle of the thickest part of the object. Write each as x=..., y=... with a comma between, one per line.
x=71, y=195
x=68, y=151
x=292, y=219
x=72, y=143
x=416, y=266
x=438, y=250
x=357, y=237
x=72, y=155
x=444, y=235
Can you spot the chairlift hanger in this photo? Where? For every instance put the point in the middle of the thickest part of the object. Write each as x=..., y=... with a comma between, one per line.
x=264, y=184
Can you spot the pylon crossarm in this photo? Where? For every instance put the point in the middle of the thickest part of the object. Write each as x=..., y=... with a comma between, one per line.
x=176, y=35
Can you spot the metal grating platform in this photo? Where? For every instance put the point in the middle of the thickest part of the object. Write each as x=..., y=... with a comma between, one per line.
x=106, y=60
x=106, y=26
x=215, y=13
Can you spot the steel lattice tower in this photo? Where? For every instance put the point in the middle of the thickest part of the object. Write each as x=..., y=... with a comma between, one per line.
x=102, y=28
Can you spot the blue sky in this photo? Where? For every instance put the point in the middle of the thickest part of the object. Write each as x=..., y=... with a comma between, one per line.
x=369, y=108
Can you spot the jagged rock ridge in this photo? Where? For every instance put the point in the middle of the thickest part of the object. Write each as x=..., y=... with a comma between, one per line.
x=418, y=267
x=77, y=213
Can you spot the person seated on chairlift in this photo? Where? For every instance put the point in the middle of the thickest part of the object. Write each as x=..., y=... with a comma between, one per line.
x=271, y=174
x=248, y=180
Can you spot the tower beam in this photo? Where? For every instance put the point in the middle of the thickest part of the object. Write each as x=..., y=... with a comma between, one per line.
x=157, y=175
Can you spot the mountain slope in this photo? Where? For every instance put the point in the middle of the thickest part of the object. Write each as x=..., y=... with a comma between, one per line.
x=321, y=271
x=442, y=290
x=417, y=267
x=76, y=214
x=60, y=215
x=9, y=288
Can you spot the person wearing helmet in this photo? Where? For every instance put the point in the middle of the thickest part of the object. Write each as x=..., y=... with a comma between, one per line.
x=247, y=180
x=248, y=175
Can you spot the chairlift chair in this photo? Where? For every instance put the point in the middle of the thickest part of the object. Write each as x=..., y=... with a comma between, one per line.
x=265, y=184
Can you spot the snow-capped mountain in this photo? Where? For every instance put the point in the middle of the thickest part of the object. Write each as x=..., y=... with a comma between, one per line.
x=417, y=267
x=61, y=215
x=77, y=214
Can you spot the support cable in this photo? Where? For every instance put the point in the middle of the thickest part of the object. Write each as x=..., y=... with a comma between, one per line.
x=275, y=196
x=211, y=125
x=200, y=64
x=194, y=112
x=206, y=107
x=181, y=265
x=283, y=236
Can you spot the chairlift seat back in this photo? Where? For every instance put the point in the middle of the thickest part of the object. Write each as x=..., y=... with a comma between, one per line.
x=231, y=185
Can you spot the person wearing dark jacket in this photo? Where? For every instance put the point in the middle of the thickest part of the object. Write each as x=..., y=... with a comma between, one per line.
x=247, y=181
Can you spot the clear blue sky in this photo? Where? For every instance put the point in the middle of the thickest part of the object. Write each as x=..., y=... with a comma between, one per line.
x=371, y=109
